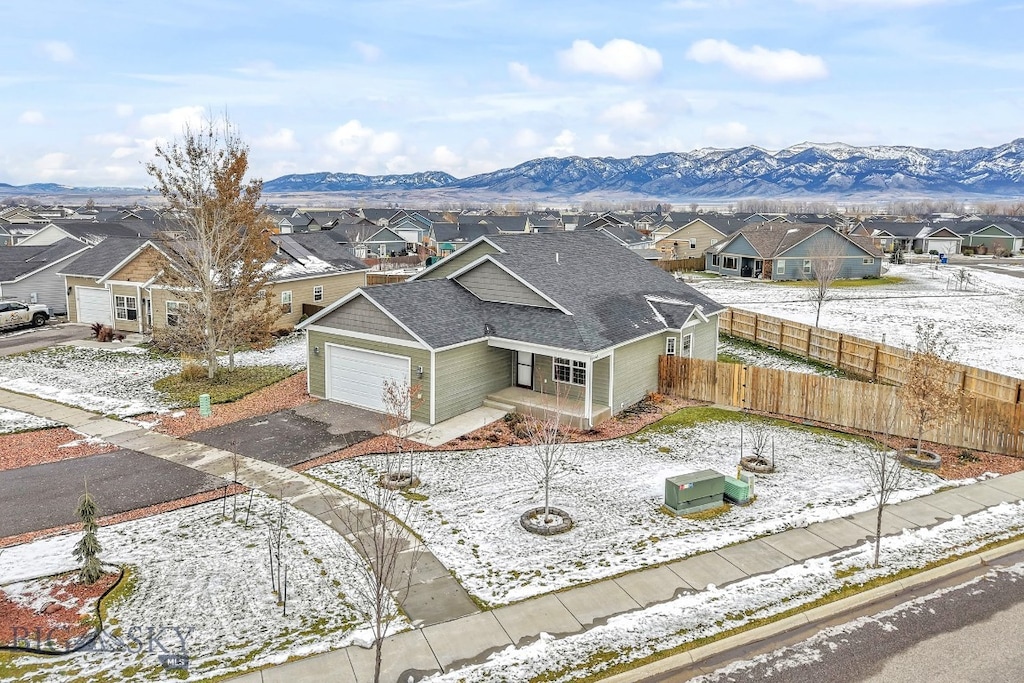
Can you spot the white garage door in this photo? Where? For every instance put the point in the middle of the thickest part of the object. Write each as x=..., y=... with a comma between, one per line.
x=93, y=305
x=943, y=246
x=357, y=377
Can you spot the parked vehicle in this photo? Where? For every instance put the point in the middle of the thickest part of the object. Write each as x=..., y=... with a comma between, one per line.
x=18, y=314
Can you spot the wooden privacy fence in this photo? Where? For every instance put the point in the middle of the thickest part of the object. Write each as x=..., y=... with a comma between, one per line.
x=672, y=265
x=983, y=423
x=857, y=357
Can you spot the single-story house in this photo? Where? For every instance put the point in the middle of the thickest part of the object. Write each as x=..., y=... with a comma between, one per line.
x=694, y=238
x=512, y=319
x=918, y=237
x=30, y=274
x=117, y=282
x=787, y=251
x=1004, y=237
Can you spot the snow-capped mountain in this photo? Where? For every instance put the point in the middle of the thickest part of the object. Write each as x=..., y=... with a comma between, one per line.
x=804, y=169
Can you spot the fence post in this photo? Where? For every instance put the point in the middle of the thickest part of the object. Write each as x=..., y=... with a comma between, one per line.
x=874, y=364
x=756, y=318
x=810, y=333
x=839, y=354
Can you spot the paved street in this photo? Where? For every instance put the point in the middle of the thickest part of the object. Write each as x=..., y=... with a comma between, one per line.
x=32, y=338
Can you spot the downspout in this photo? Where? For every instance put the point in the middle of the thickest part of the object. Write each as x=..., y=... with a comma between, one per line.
x=588, y=394
x=433, y=405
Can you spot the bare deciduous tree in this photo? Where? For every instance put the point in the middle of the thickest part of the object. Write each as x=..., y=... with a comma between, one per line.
x=221, y=260
x=399, y=399
x=881, y=465
x=826, y=265
x=930, y=394
x=550, y=455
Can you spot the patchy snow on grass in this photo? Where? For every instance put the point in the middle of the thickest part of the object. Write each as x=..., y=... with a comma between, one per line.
x=105, y=381
x=629, y=637
x=985, y=320
x=16, y=421
x=196, y=571
x=753, y=354
x=470, y=520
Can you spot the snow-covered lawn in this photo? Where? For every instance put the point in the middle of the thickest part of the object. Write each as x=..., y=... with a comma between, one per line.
x=754, y=354
x=630, y=637
x=985, y=321
x=16, y=421
x=117, y=379
x=196, y=570
x=471, y=517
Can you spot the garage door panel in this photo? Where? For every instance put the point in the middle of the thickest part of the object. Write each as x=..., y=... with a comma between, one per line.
x=357, y=376
x=93, y=305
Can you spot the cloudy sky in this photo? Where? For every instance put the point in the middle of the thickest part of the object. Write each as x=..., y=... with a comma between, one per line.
x=468, y=86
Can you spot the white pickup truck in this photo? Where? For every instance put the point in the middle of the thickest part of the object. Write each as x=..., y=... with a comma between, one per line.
x=17, y=314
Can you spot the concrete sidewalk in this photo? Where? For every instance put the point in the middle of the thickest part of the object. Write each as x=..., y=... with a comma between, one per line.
x=433, y=596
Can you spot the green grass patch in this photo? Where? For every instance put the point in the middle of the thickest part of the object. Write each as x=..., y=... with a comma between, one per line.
x=739, y=343
x=843, y=284
x=226, y=385
x=412, y=495
x=697, y=415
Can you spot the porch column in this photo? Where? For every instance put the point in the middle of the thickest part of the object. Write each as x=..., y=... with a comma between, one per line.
x=588, y=394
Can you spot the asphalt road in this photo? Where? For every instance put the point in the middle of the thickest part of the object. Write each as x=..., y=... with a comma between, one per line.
x=32, y=338
x=965, y=632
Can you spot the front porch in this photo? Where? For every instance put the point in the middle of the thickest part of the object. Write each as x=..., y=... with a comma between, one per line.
x=539, y=405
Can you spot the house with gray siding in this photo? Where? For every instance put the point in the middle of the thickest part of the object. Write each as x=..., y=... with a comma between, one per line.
x=30, y=274
x=788, y=251
x=568, y=317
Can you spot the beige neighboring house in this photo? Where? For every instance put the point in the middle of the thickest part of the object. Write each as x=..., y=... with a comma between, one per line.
x=117, y=282
x=694, y=238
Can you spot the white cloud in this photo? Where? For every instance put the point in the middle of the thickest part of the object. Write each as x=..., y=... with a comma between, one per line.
x=353, y=138
x=629, y=114
x=282, y=140
x=618, y=58
x=110, y=139
x=369, y=53
x=526, y=137
x=124, y=110
x=172, y=123
x=521, y=73
x=32, y=117
x=444, y=158
x=563, y=145
x=758, y=62
x=58, y=51
x=54, y=165
x=730, y=134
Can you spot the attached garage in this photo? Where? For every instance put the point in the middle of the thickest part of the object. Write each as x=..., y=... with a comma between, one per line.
x=357, y=376
x=944, y=245
x=93, y=305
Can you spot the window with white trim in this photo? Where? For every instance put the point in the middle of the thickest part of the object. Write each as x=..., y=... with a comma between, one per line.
x=569, y=371
x=687, y=348
x=318, y=293
x=126, y=308
x=286, y=302
x=693, y=243
x=867, y=260
x=807, y=266
x=174, y=311
x=670, y=346
x=729, y=262
x=780, y=267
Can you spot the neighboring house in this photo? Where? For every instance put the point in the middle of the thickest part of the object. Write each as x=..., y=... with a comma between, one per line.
x=917, y=237
x=6, y=238
x=574, y=316
x=787, y=251
x=1003, y=237
x=624, y=235
x=118, y=281
x=692, y=239
x=382, y=243
x=30, y=274
x=87, y=232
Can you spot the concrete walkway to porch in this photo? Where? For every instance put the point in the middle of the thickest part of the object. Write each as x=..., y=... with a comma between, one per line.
x=460, y=425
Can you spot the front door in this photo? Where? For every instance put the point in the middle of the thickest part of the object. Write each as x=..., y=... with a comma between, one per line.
x=524, y=370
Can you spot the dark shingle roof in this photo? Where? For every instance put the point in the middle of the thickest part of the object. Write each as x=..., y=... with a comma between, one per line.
x=18, y=261
x=103, y=257
x=322, y=246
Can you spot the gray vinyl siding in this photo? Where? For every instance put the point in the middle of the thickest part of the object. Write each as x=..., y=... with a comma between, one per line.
x=417, y=357
x=852, y=256
x=46, y=285
x=705, y=339
x=636, y=370
x=459, y=260
x=490, y=283
x=602, y=368
x=740, y=247
x=467, y=374
x=544, y=380
x=360, y=315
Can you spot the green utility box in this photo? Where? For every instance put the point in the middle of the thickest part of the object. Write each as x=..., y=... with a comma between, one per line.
x=693, y=492
x=737, y=491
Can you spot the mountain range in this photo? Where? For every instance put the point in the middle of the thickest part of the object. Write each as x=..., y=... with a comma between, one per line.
x=804, y=170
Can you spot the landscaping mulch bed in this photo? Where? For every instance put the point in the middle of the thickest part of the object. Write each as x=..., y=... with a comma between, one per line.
x=47, y=445
x=287, y=393
x=138, y=513
x=61, y=608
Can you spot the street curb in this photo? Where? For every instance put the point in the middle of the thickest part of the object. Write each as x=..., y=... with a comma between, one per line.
x=814, y=615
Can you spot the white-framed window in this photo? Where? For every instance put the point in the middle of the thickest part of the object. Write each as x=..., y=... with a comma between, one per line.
x=174, y=311
x=693, y=243
x=286, y=302
x=729, y=262
x=687, y=347
x=867, y=260
x=670, y=346
x=714, y=259
x=382, y=250
x=569, y=371
x=780, y=266
x=126, y=308
x=807, y=266
x=318, y=293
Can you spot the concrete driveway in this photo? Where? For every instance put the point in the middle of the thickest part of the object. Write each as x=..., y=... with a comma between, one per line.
x=50, y=334
x=45, y=496
x=289, y=437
